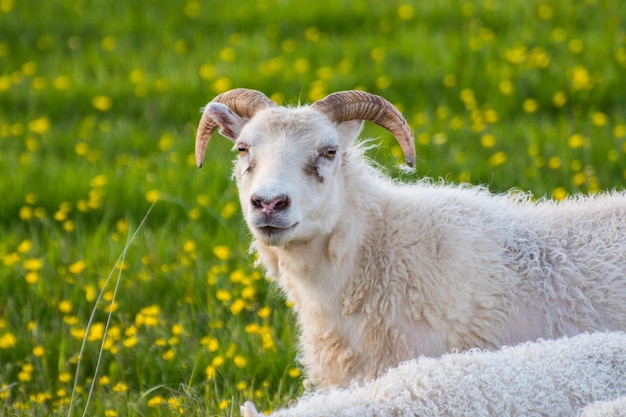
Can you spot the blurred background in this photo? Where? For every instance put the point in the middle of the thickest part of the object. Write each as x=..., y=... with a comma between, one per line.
x=99, y=102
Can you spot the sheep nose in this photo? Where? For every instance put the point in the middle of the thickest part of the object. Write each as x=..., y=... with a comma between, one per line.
x=270, y=205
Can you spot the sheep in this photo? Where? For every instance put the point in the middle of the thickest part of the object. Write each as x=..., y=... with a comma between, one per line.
x=546, y=378
x=615, y=408
x=381, y=272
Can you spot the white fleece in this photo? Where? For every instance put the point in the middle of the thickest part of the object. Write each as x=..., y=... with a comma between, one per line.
x=545, y=378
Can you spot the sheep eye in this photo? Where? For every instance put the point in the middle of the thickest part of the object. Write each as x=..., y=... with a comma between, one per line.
x=242, y=149
x=329, y=153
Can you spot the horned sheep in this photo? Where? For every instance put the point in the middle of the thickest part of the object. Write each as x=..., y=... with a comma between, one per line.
x=381, y=272
x=584, y=374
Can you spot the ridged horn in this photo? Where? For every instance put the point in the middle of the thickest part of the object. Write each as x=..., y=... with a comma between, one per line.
x=359, y=105
x=242, y=101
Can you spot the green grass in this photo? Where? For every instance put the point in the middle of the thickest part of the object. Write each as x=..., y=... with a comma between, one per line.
x=99, y=101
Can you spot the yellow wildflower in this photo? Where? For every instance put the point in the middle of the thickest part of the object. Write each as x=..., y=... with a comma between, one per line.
x=497, y=159
x=169, y=354
x=77, y=267
x=152, y=196
x=213, y=344
x=222, y=84
x=120, y=387
x=96, y=332
x=237, y=307
x=530, y=105
x=240, y=361
x=90, y=293
x=177, y=329
x=11, y=259
x=599, y=119
x=221, y=252
x=26, y=213
x=41, y=125
x=406, y=12
x=130, y=341
x=65, y=306
x=217, y=361
x=576, y=141
x=559, y=99
x=210, y=372
x=65, y=377
x=223, y=295
x=25, y=246
x=33, y=264
x=206, y=72
x=40, y=397
x=554, y=162
x=580, y=78
x=248, y=292
x=32, y=278
x=108, y=43
x=7, y=340
x=488, y=140
x=61, y=82
x=24, y=376
x=264, y=312
x=102, y=103
x=229, y=210
x=559, y=193
x=39, y=351
x=155, y=401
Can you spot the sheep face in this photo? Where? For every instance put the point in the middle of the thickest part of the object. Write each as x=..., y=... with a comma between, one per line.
x=290, y=159
x=288, y=172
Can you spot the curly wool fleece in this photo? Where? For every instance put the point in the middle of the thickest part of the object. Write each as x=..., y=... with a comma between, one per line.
x=545, y=378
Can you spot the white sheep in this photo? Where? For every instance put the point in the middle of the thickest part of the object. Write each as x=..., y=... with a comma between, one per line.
x=547, y=378
x=615, y=408
x=381, y=272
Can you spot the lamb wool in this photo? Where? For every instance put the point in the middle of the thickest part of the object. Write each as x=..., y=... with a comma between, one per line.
x=615, y=408
x=544, y=378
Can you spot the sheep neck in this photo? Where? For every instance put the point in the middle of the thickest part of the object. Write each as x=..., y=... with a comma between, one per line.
x=319, y=276
x=310, y=271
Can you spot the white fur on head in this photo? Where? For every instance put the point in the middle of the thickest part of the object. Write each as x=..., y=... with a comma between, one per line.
x=288, y=171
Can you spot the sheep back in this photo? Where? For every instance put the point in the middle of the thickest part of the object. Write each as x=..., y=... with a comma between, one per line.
x=549, y=377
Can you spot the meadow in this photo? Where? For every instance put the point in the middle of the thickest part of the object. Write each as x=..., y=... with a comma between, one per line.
x=126, y=286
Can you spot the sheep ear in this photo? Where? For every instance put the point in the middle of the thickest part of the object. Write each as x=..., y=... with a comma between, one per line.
x=350, y=130
x=248, y=410
x=230, y=123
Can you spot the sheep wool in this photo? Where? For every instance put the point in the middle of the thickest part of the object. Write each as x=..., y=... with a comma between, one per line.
x=545, y=378
x=616, y=408
x=381, y=272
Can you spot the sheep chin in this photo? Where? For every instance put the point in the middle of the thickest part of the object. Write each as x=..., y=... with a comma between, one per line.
x=274, y=236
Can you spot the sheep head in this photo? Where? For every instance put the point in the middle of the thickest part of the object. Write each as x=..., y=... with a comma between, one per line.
x=289, y=160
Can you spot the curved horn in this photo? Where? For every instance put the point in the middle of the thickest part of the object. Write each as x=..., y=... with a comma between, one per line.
x=359, y=105
x=242, y=101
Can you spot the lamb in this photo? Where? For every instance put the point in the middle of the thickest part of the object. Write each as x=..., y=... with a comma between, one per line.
x=615, y=408
x=381, y=272
x=546, y=378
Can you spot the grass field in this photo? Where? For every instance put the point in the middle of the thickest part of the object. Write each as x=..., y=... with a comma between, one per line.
x=99, y=101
